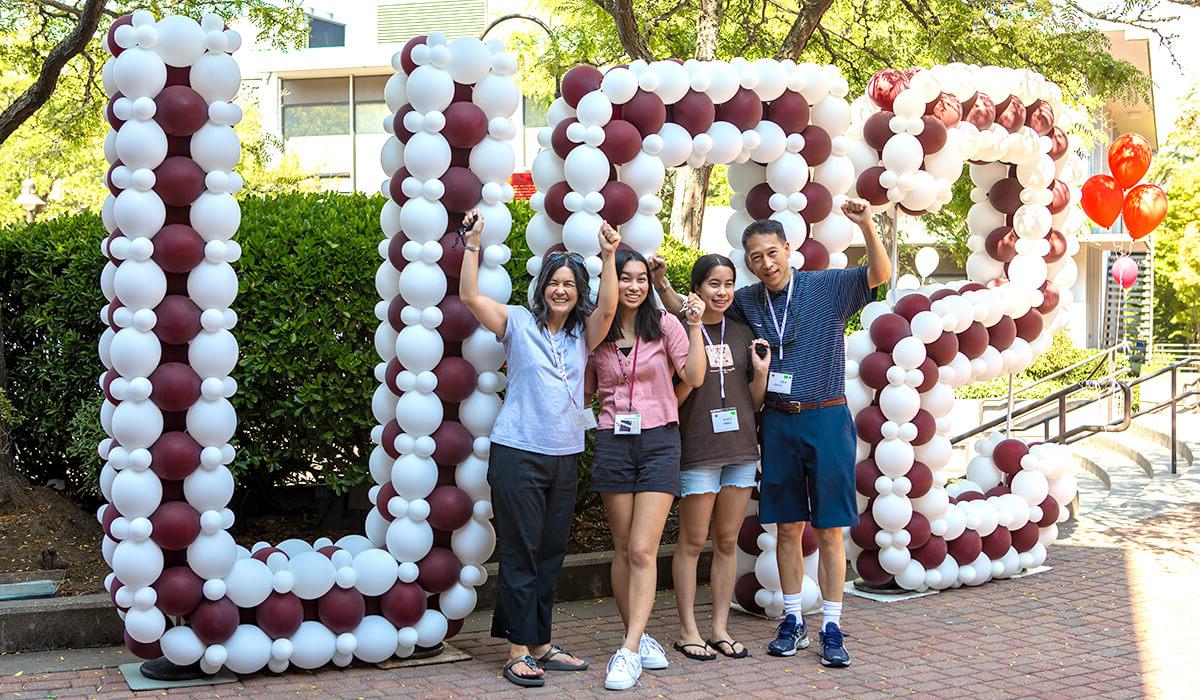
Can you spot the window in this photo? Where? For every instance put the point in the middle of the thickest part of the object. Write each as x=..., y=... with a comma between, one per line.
x=316, y=107
x=533, y=111
x=369, y=106
x=323, y=33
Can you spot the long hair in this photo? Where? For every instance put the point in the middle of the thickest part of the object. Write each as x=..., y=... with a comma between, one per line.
x=704, y=266
x=646, y=321
x=584, y=306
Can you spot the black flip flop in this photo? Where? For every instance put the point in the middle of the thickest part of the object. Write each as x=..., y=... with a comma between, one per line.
x=547, y=661
x=523, y=681
x=735, y=655
x=683, y=649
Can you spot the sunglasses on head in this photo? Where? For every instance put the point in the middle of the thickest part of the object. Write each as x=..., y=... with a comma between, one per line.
x=559, y=255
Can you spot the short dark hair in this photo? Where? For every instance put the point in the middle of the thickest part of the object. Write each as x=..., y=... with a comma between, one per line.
x=764, y=227
x=704, y=266
x=646, y=322
x=584, y=306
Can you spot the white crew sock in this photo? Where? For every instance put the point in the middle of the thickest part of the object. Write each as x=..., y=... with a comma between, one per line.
x=830, y=612
x=793, y=606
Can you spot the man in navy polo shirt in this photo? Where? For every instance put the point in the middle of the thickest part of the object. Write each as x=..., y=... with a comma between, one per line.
x=808, y=438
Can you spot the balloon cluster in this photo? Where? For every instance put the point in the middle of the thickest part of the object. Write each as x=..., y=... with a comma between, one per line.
x=758, y=589
x=778, y=125
x=1106, y=197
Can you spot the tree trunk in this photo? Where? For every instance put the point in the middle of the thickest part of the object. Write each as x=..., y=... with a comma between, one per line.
x=14, y=488
x=691, y=184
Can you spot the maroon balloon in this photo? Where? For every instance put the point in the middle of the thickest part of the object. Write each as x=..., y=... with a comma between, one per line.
x=406, y=61
x=620, y=203
x=622, y=142
x=113, y=189
x=758, y=201
x=996, y=545
x=933, y=136
x=887, y=330
x=790, y=111
x=918, y=530
x=970, y=496
x=110, y=41
x=747, y=539
x=456, y=379
x=106, y=520
x=1001, y=335
x=401, y=131
x=174, y=420
x=390, y=374
x=868, y=423
x=921, y=478
x=816, y=255
x=942, y=294
x=463, y=190
x=868, y=567
x=181, y=75
x=1050, y=512
x=911, y=304
x=1008, y=454
x=178, y=248
x=1010, y=114
x=743, y=592
x=926, y=425
x=395, y=307
x=396, y=191
x=178, y=320
x=176, y=525
x=1061, y=196
x=386, y=493
x=929, y=372
x=176, y=386
x=885, y=85
x=1059, y=143
x=214, y=621
x=265, y=552
x=744, y=110
x=179, y=591
x=817, y=145
x=466, y=125
x=460, y=157
x=979, y=111
x=695, y=112
x=462, y=93
x=1029, y=326
x=279, y=615
x=180, y=110
x=391, y=431
x=555, y=209
x=866, y=472
x=452, y=255
x=973, y=341
x=403, y=604
x=873, y=369
x=449, y=508
x=946, y=108
x=458, y=323
x=111, y=116
x=932, y=553
x=558, y=138
x=153, y=650
x=808, y=541
x=966, y=547
x=341, y=609
x=438, y=571
x=179, y=181
x=645, y=111
x=1005, y=195
x=178, y=146
x=820, y=202
x=1025, y=538
x=1001, y=244
x=1050, y=297
x=877, y=130
x=578, y=82
x=311, y=612
x=452, y=443
x=868, y=186
x=1039, y=116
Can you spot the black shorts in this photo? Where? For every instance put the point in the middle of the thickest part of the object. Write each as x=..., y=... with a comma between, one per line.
x=637, y=463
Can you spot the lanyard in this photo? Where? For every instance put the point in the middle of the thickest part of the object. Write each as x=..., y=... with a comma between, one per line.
x=774, y=320
x=631, y=378
x=720, y=355
x=560, y=363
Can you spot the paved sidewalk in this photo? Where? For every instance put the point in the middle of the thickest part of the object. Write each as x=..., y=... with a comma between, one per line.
x=1115, y=618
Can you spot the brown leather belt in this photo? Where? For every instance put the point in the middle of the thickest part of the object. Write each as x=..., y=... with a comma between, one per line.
x=797, y=407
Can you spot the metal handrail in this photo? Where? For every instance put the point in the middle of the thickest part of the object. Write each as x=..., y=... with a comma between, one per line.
x=1060, y=397
x=1124, y=344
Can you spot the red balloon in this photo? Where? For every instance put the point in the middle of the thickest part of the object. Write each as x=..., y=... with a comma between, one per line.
x=748, y=533
x=966, y=547
x=1007, y=455
x=1001, y=335
x=817, y=145
x=341, y=609
x=868, y=424
x=180, y=110
x=645, y=111
x=406, y=62
x=458, y=323
x=179, y=181
x=918, y=530
x=912, y=304
x=178, y=248
x=743, y=592
x=1145, y=208
x=1050, y=511
x=932, y=553
x=933, y=136
x=877, y=130
x=790, y=111
x=758, y=201
x=110, y=41
x=946, y=108
x=555, y=209
x=921, y=478
x=403, y=604
x=214, y=621
x=401, y=131
x=864, y=531
x=1129, y=159
x=1005, y=195
x=178, y=320
x=885, y=85
x=153, y=650
x=1061, y=196
x=466, y=125
x=438, y=571
x=820, y=202
x=1010, y=114
x=452, y=443
x=463, y=190
x=176, y=386
x=620, y=203
x=1060, y=143
x=179, y=591
x=578, y=82
x=744, y=110
x=1029, y=326
x=1103, y=200
x=816, y=255
x=996, y=545
x=887, y=330
x=558, y=138
x=973, y=341
x=979, y=111
x=1024, y=538
x=868, y=567
x=456, y=379
x=1001, y=244
x=449, y=508
x=924, y=421
x=279, y=615
x=873, y=369
x=622, y=142
x=176, y=525
x=1039, y=116
x=868, y=186
x=865, y=474
x=695, y=112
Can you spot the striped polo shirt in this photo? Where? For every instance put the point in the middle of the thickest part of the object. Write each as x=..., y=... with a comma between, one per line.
x=814, y=342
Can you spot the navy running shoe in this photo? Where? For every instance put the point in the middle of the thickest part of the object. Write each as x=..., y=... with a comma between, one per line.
x=791, y=636
x=833, y=647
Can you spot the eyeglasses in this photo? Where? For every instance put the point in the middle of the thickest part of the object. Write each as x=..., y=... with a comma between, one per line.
x=559, y=255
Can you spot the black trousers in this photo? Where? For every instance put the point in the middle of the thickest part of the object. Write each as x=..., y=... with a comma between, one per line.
x=533, y=496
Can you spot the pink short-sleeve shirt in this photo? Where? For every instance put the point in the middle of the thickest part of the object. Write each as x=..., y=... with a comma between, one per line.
x=653, y=391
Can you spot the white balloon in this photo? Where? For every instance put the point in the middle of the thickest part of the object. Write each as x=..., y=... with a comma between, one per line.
x=586, y=169
x=645, y=173
x=216, y=77
x=181, y=646
x=211, y=555
x=313, y=645
x=376, y=639
x=787, y=174
x=138, y=72
x=497, y=96
x=470, y=60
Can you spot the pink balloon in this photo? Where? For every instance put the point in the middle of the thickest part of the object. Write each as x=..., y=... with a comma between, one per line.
x=1125, y=271
x=885, y=85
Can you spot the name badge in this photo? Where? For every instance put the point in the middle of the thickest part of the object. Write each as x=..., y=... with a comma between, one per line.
x=724, y=420
x=627, y=424
x=779, y=382
x=583, y=419
x=719, y=356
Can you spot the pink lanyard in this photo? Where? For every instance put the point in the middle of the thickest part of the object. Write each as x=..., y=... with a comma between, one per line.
x=631, y=378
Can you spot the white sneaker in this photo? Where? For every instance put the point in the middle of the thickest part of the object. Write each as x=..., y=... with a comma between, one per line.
x=624, y=669
x=652, y=655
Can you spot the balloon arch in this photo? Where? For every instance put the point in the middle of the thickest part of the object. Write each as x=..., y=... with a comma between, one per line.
x=186, y=591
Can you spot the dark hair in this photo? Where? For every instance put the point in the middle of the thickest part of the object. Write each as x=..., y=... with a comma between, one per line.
x=704, y=265
x=764, y=227
x=584, y=306
x=646, y=321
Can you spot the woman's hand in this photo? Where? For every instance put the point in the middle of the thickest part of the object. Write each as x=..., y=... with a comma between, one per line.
x=474, y=223
x=658, y=271
x=609, y=240
x=693, y=309
x=760, y=363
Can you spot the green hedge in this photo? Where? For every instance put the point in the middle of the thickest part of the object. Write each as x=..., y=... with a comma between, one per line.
x=305, y=331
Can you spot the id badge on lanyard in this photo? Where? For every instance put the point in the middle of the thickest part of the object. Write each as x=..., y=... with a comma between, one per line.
x=780, y=382
x=724, y=420
x=582, y=417
x=630, y=422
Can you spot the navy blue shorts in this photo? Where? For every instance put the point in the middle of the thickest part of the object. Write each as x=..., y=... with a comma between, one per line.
x=808, y=468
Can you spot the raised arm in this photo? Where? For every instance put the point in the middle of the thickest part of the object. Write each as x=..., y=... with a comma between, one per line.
x=879, y=265
x=762, y=368
x=672, y=300
x=693, y=369
x=490, y=313
x=606, y=300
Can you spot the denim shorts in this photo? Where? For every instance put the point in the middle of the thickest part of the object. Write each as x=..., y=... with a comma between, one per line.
x=712, y=479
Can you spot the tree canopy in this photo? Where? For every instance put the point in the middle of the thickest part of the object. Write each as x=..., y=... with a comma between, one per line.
x=1176, y=168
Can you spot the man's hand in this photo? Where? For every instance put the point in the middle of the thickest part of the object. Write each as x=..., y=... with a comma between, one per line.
x=609, y=240
x=658, y=271
x=858, y=211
